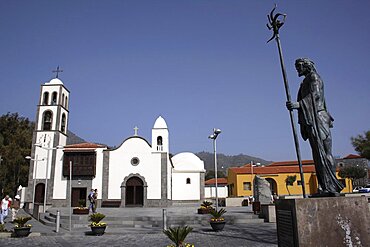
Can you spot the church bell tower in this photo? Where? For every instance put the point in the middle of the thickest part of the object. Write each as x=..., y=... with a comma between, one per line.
x=49, y=136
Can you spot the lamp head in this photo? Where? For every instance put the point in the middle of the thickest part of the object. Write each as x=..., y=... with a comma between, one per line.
x=28, y=157
x=216, y=131
x=213, y=136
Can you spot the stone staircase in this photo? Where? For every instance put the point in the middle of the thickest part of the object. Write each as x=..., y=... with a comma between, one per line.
x=134, y=221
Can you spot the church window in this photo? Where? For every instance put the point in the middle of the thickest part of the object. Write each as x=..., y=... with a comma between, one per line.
x=54, y=98
x=84, y=163
x=135, y=161
x=66, y=102
x=45, y=100
x=47, y=120
x=159, y=143
x=188, y=181
x=63, y=125
x=62, y=99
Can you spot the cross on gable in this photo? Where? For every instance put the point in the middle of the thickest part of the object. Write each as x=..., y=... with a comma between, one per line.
x=57, y=71
x=135, y=130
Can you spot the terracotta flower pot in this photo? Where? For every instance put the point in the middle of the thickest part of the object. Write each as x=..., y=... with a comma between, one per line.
x=203, y=210
x=80, y=211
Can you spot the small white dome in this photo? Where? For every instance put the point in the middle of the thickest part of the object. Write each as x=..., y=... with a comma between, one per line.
x=55, y=81
x=160, y=123
x=187, y=162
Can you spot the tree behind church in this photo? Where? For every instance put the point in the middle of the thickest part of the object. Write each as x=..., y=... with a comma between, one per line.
x=15, y=144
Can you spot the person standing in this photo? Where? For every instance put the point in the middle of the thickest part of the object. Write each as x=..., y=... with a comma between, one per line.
x=315, y=123
x=5, y=205
x=90, y=197
x=15, y=206
x=95, y=200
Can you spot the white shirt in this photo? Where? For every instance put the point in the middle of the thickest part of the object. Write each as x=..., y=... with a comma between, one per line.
x=4, y=204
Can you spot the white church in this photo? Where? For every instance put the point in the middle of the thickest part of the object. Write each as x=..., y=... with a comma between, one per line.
x=135, y=174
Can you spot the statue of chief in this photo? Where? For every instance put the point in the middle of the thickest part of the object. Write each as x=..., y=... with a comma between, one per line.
x=315, y=123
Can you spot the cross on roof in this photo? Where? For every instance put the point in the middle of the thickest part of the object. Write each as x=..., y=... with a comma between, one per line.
x=57, y=71
x=136, y=129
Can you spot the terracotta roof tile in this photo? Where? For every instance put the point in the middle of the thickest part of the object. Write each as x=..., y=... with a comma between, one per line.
x=272, y=169
x=213, y=181
x=352, y=156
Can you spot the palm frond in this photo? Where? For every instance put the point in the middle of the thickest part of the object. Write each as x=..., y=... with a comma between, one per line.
x=178, y=234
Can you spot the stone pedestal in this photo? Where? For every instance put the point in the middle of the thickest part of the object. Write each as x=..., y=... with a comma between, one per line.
x=328, y=221
x=268, y=212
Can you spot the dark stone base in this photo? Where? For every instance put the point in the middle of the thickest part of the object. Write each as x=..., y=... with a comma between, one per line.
x=21, y=232
x=328, y=221
x=217, y=226
x=98, y=230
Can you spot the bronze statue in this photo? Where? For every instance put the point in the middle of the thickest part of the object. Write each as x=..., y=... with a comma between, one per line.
x=315, y=123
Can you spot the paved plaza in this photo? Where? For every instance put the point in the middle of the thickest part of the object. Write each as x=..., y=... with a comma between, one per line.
x=260, y=235
x=252, y=234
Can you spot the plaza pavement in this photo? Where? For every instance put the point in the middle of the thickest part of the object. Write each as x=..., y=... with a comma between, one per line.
x=253, y=234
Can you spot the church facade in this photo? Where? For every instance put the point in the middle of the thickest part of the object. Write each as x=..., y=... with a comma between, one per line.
x=137, y=173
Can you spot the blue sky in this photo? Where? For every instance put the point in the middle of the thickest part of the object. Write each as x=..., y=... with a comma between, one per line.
x=199, y=64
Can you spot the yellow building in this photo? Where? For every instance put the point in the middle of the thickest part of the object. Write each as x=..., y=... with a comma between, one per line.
x=240, y=178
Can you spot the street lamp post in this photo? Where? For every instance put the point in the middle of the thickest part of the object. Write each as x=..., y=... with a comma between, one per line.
x=70, y=195
x=216, y=132
x=34, y=177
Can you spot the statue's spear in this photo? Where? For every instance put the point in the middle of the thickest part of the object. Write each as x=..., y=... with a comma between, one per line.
x=275, y=24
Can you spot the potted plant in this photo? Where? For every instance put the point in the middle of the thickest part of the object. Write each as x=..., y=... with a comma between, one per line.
x=82, y=209
x=217, y=221
x=97, y=227
x=178, y=235
x=21, y=229
x=205, y=207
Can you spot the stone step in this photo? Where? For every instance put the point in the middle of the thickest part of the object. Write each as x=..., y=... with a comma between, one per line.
x=82, y=221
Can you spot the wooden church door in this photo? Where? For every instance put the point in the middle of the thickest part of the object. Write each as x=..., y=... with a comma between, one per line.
x=134, y=192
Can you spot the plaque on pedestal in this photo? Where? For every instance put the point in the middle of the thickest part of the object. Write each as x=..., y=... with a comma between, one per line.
x=328, y=221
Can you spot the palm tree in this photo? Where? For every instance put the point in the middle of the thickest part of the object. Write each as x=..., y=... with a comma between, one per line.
x=178, y=234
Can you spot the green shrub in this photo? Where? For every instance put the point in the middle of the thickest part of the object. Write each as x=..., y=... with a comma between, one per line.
x=21, y=221
x=96, y=217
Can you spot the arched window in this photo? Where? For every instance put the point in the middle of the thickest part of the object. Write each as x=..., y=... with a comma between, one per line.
x=63, y=124
x=54, y=98
x=66, y=102
x=45, y=100
x=47, y=120
x=63, y=99
x=188, y=181
x=159, y=143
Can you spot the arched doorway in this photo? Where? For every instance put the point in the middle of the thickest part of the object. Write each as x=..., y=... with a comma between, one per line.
x=39, y=193
x=273, y=185
x=134, y=192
